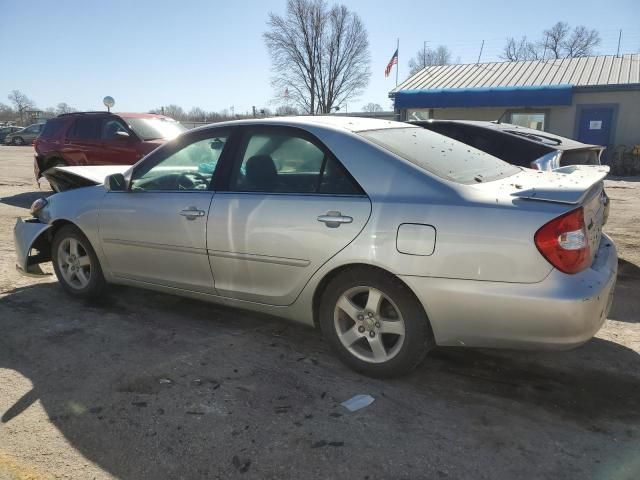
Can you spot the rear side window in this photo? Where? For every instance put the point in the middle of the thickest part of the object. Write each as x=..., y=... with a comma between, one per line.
x=51, y=129
x=85, y=129
x=440, y=155
x=279, y=161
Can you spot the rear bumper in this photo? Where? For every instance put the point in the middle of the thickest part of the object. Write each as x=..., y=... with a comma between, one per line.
x=562, y=311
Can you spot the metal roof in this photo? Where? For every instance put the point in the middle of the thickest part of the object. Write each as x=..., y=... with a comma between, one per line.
x=597, y=71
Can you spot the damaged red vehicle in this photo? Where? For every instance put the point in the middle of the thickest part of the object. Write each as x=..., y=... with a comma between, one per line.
x=100, y=138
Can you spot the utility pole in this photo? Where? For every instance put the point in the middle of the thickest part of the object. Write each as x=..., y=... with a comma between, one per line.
x=424, y=54
x=254, y=111
x=619, y=39
x=480, y=54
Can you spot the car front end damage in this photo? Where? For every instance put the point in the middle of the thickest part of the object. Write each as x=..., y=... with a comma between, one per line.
x=32, y=243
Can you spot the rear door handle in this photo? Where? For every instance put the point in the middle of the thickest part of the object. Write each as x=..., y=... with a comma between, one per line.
x=192, y=213
x=334, y=219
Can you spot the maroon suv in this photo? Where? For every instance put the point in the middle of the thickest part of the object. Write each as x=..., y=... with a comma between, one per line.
x=101, y=138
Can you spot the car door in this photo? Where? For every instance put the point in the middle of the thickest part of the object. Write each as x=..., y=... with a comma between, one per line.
x=117, y=143
x=288, y=208
x=81, y=139
x=156, y=231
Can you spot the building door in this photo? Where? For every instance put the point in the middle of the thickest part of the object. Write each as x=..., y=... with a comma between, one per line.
x=595, y=125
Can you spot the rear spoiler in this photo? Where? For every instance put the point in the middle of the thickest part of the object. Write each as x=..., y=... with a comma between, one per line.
x=572, y=186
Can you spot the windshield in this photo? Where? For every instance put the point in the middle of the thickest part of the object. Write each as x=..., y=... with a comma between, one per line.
x=441, y=155
x=155, y=128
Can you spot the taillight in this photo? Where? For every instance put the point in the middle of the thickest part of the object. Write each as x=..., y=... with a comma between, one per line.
x=564, y=243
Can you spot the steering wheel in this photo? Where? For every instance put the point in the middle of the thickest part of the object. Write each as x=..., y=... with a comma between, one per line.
x=192, y=181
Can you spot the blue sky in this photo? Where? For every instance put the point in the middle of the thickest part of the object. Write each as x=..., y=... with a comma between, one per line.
x=211, y=53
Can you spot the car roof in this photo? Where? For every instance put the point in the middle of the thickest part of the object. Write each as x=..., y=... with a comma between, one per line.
x=523, y=133
x=350, y=124
x=118, y=114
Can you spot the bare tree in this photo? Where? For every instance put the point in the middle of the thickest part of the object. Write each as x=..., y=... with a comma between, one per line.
x=21, y=103
x=372, y=107
x=320, y=55
x=63, y=107
x=559, y=41
x=196, y=114
x=174, y=111
x=581, y=42
x=523, y=49
x=285, y=110
x=6, y=113
x=427, y=57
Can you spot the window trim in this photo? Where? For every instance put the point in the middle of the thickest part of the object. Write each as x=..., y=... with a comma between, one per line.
x=235, y=158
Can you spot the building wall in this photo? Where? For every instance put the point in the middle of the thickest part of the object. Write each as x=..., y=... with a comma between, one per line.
x=562, y=119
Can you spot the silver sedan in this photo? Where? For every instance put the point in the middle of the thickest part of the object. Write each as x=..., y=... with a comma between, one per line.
x=388, y=237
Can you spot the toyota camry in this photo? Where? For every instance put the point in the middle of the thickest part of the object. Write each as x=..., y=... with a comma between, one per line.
x=390, y=238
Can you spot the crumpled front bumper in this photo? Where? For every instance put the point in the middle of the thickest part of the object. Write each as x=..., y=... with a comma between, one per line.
x=27, y=236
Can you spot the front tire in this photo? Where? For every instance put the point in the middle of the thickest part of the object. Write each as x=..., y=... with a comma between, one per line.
x=76, y=264
x=374, y=323
x=18, y=141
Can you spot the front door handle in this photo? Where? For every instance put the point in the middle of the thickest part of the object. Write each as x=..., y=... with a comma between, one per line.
x=334, y=219
x=192, y=213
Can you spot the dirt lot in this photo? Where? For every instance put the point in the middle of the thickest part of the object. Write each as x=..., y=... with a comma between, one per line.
x=144, y=385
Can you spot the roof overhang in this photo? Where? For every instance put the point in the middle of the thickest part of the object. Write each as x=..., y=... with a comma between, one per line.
x=532, y=96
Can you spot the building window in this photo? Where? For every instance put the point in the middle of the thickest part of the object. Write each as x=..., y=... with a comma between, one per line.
x=418, y=114
x=535, y=120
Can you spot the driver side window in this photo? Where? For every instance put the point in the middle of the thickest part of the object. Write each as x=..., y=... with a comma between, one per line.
x=190, y=168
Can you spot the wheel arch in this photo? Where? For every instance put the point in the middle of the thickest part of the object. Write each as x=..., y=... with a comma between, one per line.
x=51, y=157
x=46, y=237
x=322, y=285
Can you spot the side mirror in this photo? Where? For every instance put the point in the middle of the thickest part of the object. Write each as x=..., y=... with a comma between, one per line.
x=115, y=183
x=122, y=135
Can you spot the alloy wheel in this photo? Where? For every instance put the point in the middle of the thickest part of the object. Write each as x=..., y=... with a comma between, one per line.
x=74, y=263
x=369, y=324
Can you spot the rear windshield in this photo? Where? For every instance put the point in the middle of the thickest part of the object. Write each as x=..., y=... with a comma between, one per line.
x=441, y=155
x=155, y=128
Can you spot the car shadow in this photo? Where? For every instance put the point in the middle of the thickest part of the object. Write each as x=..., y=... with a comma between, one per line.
x=626, y=302
x=148, y=385
x=24, y=200
x=616, y=178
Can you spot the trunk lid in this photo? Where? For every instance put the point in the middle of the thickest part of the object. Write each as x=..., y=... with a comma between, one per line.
x=573, y=185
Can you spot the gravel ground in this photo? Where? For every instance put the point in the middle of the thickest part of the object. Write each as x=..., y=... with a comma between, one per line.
x=144, y=385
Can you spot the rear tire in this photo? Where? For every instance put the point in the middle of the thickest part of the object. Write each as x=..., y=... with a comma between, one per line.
x=374, y=323
x=76, y=264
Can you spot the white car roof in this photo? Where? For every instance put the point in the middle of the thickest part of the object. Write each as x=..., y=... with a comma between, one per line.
x=351, y=124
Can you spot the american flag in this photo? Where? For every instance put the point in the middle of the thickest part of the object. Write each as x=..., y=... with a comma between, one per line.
x=392, y=62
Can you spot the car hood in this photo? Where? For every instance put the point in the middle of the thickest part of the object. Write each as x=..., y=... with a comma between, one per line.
x=68, y=178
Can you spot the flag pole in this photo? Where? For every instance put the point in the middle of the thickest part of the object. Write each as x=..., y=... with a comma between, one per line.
x=398, y=61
